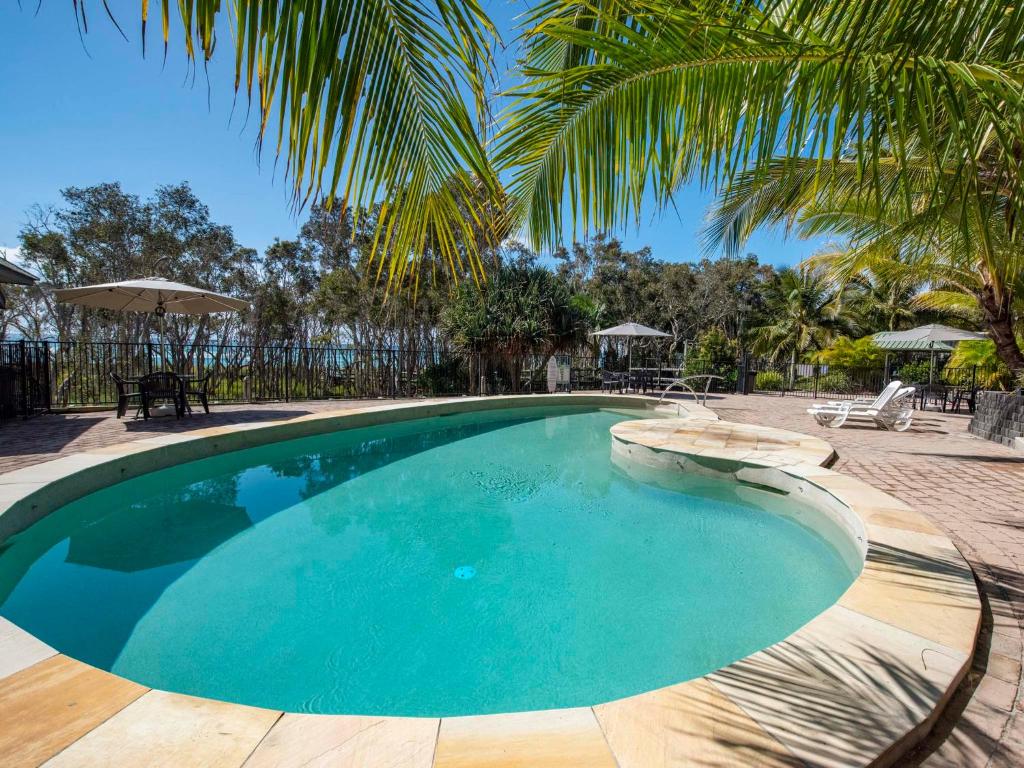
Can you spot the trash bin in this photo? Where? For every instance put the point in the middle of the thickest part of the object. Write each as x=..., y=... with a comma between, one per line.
x=746, y=382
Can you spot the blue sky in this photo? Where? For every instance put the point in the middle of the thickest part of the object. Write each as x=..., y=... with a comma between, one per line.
x=75, y=116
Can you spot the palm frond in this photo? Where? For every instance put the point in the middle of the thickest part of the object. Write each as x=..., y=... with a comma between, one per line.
x=369, y=100
x=627, y=100
x=954, y=303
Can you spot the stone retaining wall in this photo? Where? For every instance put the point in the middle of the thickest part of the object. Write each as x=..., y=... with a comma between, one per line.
x=999, y=416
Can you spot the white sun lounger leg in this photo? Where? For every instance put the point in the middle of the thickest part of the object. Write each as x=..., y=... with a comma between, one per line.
x=834, y=420
x=902, y=421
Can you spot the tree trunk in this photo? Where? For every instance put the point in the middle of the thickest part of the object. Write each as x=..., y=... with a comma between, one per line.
x=999, y=318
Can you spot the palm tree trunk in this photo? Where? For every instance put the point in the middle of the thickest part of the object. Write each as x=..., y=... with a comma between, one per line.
x=999, y=318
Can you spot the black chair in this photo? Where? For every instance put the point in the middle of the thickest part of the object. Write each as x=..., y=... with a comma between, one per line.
x=199, y=389
x=639, y=380
x=611, y=380
x=162, y=386
x=125, y=395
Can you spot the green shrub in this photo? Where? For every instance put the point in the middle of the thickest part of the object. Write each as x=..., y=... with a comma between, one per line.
x=977, y=362
x=835, y=381
x=861, y=353
x=442, y=378
x=769, y=381
x=913, y=373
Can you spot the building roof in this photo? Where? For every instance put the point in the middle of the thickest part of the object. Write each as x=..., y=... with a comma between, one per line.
x=926, y=338
x=15, y=275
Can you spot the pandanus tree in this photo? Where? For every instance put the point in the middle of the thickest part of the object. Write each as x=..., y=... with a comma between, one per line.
x=523, y=311
x=616, y=103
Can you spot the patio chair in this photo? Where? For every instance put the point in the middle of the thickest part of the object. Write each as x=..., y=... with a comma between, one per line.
x=962, y=396
x=889, y=410
x=198, y=389
x=164, y=385
x=898, y=415
x=611, y=380
x=639, y=380
x=124, y=396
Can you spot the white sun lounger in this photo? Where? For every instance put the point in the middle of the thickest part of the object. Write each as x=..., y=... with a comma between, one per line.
x=890, y=410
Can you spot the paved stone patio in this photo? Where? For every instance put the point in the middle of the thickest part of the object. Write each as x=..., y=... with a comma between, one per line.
x=972, y=489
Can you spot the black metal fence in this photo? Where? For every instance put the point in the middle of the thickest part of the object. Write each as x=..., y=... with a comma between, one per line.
x=818, y=381
x=36, y=376
x=812, y=381
x=80, y=371
x=24, y=379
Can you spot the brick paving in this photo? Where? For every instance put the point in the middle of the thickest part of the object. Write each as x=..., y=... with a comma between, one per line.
x=971, y=488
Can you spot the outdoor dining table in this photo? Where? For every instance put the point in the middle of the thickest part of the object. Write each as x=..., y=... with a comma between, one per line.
x=183, y=380
x=944, y=396
x=654, y=378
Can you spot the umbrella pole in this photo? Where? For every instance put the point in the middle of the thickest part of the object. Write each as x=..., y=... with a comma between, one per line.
x=163, y=339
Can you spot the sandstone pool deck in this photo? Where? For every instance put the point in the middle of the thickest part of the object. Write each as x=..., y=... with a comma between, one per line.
x=838, y=692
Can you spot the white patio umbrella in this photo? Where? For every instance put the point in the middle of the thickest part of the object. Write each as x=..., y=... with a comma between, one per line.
x=630, y=331
x=933, y=338
x=154, y=295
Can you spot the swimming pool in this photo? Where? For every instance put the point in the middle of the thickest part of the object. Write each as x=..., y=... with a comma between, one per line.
x=483, y=562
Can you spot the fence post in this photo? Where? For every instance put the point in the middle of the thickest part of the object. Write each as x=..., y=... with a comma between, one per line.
x=396, y=374
x=817, y=371
x=24, y=378
x=288, y=375
x=149, y=357
x=46, y=365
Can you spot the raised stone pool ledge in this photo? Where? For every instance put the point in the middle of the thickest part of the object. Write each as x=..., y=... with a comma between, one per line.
x=858, y=685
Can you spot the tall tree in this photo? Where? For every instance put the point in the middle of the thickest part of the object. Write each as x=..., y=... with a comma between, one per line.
x=103, y=234
x=623, y=282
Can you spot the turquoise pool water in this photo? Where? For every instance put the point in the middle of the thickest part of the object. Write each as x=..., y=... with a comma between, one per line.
x=476, y=563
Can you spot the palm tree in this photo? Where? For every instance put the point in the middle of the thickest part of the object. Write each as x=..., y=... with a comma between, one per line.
x=806, y=317
x=927, y=229
x=616, y=101
x=881, y=297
